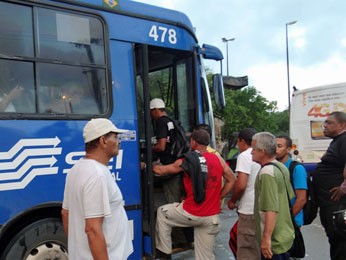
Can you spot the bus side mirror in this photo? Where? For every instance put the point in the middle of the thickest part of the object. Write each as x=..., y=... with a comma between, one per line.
x=210, y=52
x=219, y=91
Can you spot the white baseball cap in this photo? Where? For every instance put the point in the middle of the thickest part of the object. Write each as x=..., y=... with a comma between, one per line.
x=157, y=103
x=97, y=127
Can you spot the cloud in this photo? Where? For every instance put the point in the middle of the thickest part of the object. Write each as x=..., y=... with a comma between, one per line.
x=330, y=71
x=271, y=78
x=271, y=81
x=343, y=42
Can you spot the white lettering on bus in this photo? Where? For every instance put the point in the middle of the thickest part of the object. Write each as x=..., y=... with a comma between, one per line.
x=162, y=34
x=27, y=159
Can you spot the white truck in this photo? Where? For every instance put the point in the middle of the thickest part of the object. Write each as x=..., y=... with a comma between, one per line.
x=310, y=107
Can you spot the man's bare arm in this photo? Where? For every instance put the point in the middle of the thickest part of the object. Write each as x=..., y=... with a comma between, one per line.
x=269, y=225
x=229, y=177
x=300, y=201
x=64, y=216
x=173, y=168
x=239, y=189
x=160, y=146
x=340, y=191
x=96, y=238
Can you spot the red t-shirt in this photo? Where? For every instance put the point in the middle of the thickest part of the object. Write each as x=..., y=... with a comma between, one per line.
x=211, y=205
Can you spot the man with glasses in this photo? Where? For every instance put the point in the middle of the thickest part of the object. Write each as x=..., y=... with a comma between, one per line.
x=328, y=179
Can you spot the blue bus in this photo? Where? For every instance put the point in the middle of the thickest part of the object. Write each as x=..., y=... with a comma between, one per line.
x=63, y=62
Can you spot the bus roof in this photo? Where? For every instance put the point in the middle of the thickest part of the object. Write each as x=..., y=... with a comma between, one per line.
x=140, y=10
x=317, y=88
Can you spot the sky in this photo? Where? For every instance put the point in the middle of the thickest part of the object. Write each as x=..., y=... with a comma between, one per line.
x=316, y=42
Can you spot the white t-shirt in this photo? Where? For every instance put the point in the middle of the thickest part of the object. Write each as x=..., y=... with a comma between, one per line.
x=247, y=166
x=91, y=191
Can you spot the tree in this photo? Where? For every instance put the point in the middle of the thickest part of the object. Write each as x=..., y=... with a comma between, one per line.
x=247, y=108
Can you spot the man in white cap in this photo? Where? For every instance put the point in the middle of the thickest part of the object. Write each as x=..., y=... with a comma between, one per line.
x=172, y=186
x=93, y=213
x=165, y=132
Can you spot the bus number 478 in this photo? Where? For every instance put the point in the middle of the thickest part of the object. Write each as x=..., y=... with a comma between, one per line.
x=162, y=34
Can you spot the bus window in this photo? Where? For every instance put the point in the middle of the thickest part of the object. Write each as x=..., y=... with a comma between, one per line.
x=171, y=79
x=185, y=94
x=75, y=85
x=17, y=74
x=16, y=35
x=70, y=37
x=81, y=91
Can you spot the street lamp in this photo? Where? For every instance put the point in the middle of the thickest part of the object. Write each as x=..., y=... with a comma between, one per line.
x=226, y=41
x=288, y=68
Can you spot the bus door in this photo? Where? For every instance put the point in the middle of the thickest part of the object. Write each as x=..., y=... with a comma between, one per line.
x=167, y=74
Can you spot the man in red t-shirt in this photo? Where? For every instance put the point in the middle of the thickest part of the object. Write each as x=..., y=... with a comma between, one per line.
x=203, y=215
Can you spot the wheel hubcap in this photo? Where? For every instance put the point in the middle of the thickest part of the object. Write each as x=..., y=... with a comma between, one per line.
x=48, y=251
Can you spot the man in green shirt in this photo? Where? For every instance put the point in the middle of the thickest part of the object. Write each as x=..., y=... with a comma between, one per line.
x=274, y=227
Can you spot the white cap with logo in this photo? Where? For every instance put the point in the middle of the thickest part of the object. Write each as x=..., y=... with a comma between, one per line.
x=97, y=127
x=157, y=103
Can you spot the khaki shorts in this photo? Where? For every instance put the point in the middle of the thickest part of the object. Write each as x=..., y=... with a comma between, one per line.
x=247, y=244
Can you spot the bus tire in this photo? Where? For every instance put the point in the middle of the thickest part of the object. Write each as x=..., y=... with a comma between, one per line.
x=43, y=239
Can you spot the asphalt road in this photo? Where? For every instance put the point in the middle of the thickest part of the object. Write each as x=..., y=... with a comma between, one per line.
x=316, y=243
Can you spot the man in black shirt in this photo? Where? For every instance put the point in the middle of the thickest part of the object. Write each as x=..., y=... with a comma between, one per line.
x=328, y=178
x=172, y=186
x=164, y=131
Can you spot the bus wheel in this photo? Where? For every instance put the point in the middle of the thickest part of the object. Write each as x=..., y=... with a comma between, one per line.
x=43, y=239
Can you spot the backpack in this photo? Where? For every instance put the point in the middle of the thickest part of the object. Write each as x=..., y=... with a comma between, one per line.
x=310, y=208
x=180, y=144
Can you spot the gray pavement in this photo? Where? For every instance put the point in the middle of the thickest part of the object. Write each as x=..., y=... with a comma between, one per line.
x=316, y=243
